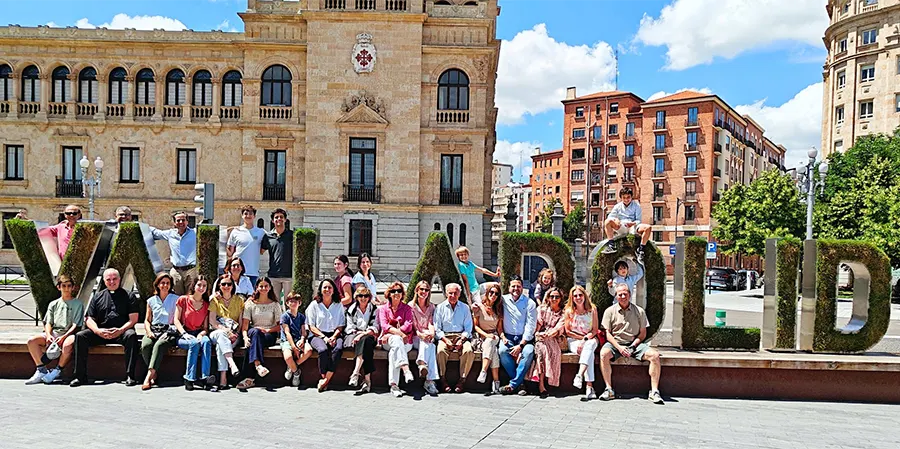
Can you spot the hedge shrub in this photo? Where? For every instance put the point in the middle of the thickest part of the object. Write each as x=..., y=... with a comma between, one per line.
x=306, y=245
x=695, y=335
x=437, y=259
x=81, y=251
x=208, y=250
x=513, y=244
x=23, y=234
x=786, y=265
x=128, y=249
x=654, y=279
x=830, y=253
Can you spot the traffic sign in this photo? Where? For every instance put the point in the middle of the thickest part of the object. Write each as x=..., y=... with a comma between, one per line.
x=711, y=249
x=671, y=250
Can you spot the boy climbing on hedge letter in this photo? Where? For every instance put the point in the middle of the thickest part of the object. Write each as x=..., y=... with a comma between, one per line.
x=625, y=219
x=467, y=271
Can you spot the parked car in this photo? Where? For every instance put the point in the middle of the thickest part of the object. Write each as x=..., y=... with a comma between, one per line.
x=722, y=278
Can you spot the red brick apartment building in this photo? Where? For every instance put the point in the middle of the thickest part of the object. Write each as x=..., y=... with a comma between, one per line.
x=549, y=180
x=678, y=153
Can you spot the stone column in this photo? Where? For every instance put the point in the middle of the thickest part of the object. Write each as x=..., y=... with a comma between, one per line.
x=295, y=101
x=102, y=96
x=557, y=218
x=45, y=94
x=250, y=100
x=159, y=96
x=16, y=93
x=72, y=96
x=580, y=261
x=188, y=100
x=216, y=100
x=129, y=100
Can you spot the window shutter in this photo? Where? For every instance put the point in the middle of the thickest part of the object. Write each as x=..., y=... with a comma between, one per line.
x=141, y=91
x=182, y=94
x=151, y=93
x=57, y=91
x=95, y=92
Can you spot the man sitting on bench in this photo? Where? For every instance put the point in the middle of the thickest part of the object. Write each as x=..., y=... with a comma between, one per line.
x=626, y=328
x=624, y=219
x=110, y=318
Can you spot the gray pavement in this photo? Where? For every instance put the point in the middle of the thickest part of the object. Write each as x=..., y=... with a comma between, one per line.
x=113, y=416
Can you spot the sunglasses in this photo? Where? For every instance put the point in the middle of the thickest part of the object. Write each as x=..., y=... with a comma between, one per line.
x=555, y=297
x=363, y=296
x=492, y=293
x=422, y=289
x=66, y=284
x=396, y=290
x=70, y=214
x=227, y=284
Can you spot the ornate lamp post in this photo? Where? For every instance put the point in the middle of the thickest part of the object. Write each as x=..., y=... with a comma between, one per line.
x=91, y=184
x=808, y=184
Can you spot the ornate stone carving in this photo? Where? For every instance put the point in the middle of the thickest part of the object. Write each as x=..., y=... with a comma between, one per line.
x=363, y=56
x=482, y=65
x=364, y=98
x=461, y=11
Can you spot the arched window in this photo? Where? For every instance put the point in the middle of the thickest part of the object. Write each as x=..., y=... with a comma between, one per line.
x=276, y=86
x=118, y=87
x=175, y=93
x=437, y=226
x=5, y=86
x=59, y=88
x=146, y=87
x=31, y=84
x=87, y=86
x=232, y=89
x=450, y=233
x=453, y=91
x=202, y=89
x=462, y=234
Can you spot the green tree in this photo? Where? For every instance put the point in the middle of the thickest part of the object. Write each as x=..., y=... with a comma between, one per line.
x=747, y=215
x=573, y=224
x=545, y=223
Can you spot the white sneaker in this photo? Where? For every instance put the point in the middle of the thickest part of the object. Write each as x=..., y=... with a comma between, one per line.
x=496, y=388
x=295, y=378
x=608, y=395
x=578, y=381
x=354, y=380
x=655, y=397
x=430, y=388
x=408, y=376
x=288, y=374
x=396, y=391
x=36, y=377
x=482, y=378
x=590, y=395
x=51, y=376
x=364, y=388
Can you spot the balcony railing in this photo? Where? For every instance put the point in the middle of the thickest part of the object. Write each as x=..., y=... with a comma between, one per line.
x=659, y=173
x=85, y=109
x=201, y=112
x=628, y=158
x=4, y=107
x=719, y=123
x=362, y=193
x=364, y=5
x=29, y=107
x=691, y=147
x=334, y=4
x=144, y=110
x=56, y=109
x=658, y=150
x=275, y=112
x=69, y=188
x=865, y=6
x=690, y=196
x=230, y=112
x=273, y=192
x=691, y=172
x=453, y=117
x=172, y=111
x=115, y=110
x=396, y=5
x=630, y=137
x=451, y=196
x=658, y=197
x=659, y=126
x=691, y=123
x=627, y=180
x=717, y=148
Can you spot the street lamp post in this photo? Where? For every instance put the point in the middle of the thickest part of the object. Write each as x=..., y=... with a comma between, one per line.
x=91, y=184
x=808, y=185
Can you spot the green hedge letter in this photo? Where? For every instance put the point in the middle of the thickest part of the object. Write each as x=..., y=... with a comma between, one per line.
x=208, y=251
x=129, y=250
x=513, y=245
x=437, y=259
x=694, y=334
x=652, y=285
x=306, y=248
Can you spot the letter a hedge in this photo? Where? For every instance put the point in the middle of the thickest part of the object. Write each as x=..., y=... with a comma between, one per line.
x=437, y=259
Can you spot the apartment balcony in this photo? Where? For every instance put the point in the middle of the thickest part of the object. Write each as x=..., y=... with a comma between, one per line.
x=69, y=188
x=362, y=5
x=690, y=196
x=628, y=159
x=659, y=174
x=719, y=124
x=144, y=111
x=691, y=148
x=230, y=113
x=630, y=138
x=172, y=112
x=688, y=173
x=452, y=116
x=866, y=6
x=717, y=148
x=595, y=139
x=659, y=126
x=658, y=150
x=273, y=192
x=627, y=180
x=86, y=110
x=4, y=107
x=692, y=123
x=57, y=109
x=717, y=173
x=690, y=221
x=451, y=196
x=614, y=135
x=276, y=113
x=29, y=107
x=659, y=198
x=362, y=193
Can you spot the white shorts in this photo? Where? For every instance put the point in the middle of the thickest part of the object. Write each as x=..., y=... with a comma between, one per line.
x=625, y=230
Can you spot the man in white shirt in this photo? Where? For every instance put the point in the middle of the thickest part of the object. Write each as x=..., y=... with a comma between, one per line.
x=182, y=242
x=625, y=218
x=248, y=242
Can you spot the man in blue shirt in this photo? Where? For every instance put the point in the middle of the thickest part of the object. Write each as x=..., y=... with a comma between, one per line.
x=453, y=330
x=517, y=341
x=182, y=252
x=624, y=219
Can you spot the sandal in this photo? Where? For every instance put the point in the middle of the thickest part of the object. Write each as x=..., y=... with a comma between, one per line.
x=446, y=387
x=146, y=387
x=322, y=385
x=459, y=387
x=246, y=384
x=262, y=371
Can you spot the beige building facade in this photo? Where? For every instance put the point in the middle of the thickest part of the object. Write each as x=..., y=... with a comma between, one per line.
x=373, y=121
x=862, y=73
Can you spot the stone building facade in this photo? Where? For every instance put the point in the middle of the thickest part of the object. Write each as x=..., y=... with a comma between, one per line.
x=861, y=72
x=371, y=120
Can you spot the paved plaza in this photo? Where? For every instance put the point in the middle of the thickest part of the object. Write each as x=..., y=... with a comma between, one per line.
x=113, y=416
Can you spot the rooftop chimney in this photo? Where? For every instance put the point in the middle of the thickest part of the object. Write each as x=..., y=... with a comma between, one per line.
x=570, y=93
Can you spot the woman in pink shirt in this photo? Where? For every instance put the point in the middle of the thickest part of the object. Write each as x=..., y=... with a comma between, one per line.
x=395, y=318
x=423, y=318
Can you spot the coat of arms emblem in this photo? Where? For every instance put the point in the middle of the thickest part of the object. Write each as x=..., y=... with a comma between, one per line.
x=363, y=53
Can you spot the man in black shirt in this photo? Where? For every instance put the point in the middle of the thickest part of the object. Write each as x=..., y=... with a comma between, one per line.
x=281, y=254
x=110, y=318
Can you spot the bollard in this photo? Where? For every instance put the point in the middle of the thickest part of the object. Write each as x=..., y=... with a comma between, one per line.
x=720, y=318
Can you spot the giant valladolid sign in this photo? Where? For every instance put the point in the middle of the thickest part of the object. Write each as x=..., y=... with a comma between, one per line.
x=126, y=247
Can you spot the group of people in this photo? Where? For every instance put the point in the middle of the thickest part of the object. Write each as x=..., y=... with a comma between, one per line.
x=523, y=334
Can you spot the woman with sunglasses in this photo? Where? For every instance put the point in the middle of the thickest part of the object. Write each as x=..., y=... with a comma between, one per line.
x=192, y=321
x=326, y=321
x=362, y=327
x=160, y=315
x=235, y=267
x=365, y=277
x=423, y=340
x=395, y=319
x=488, y=324
x=260, y=327
x=582, y=328
x=549, y=336
x=225, y=311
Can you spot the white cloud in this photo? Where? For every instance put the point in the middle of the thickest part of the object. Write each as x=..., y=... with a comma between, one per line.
x=660, y=94
x=535, y=69
x=697, y=31
x=226, y=26
x=517, y=154
x=796, y=124
x=122, y=21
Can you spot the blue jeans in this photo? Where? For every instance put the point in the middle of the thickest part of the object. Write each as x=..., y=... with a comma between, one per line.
x=196, y=347
x=516, y=371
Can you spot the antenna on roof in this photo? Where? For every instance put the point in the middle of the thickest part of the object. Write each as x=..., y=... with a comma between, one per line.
x=616, y=59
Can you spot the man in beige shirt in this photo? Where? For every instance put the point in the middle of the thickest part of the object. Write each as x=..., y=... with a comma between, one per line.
x=626, y=328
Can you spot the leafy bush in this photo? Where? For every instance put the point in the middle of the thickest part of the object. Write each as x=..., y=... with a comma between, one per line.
x=830, y=253
x=654, y=280
x=786, y=266
x=81, y=250
x=23, y=234
x=306, y=246
x=695, y=335
x=437, y=259
x=514, y=244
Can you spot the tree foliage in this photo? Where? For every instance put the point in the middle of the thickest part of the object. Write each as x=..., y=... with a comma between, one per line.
x=573, y=224
x=545, y=223
x=747, y=215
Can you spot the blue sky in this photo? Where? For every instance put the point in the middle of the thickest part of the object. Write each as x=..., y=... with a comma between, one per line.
x=762, y=56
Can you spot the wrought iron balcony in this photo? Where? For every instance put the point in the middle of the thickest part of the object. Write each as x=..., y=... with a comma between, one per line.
x=451, y=196
x=273, y=192
x=69, y=188
x=362, y=193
